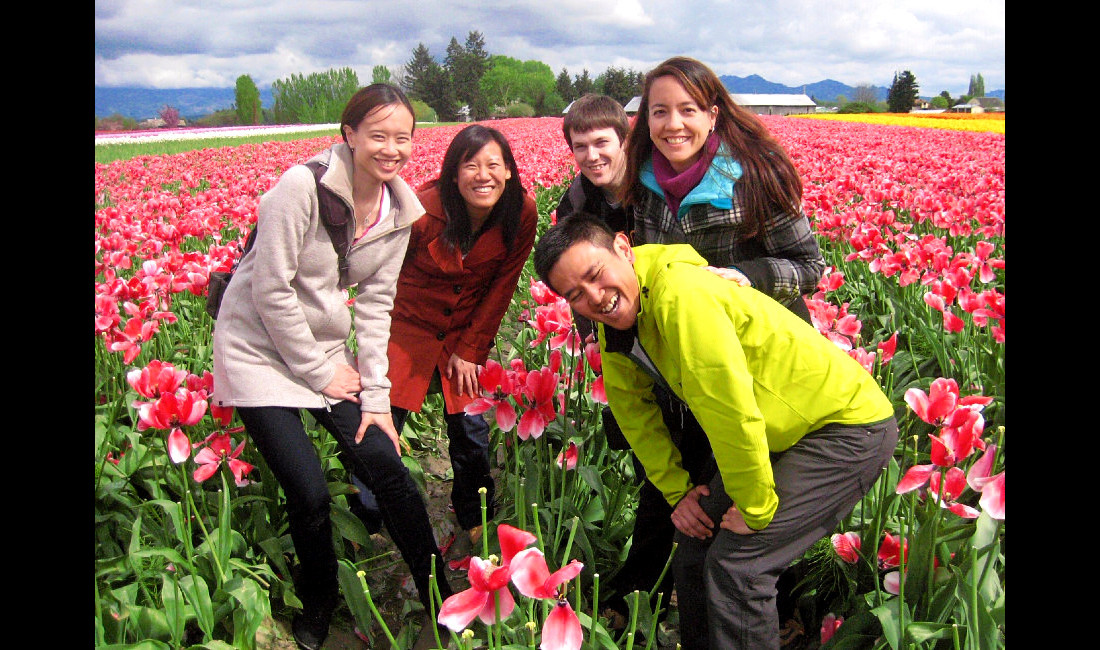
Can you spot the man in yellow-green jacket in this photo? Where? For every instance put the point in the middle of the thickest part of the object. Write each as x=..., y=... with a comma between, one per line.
x=798, y=429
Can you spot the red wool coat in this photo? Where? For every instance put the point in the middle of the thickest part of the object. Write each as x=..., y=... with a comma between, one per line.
x=449, y=305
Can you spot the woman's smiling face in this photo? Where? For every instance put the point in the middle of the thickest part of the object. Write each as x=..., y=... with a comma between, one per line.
x=678, y=126
x=481, y=180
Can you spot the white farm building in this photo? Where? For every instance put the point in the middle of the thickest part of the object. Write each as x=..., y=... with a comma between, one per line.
x=759, y=103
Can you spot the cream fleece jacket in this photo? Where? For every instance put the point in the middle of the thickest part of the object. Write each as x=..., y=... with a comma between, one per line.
x=284, y=321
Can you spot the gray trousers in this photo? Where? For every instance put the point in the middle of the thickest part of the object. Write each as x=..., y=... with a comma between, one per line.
x=725, y=585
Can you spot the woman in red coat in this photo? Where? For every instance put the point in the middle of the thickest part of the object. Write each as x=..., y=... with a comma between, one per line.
x=460, y=271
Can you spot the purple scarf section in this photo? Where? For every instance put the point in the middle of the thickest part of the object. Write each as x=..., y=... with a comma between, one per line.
x=677, y=186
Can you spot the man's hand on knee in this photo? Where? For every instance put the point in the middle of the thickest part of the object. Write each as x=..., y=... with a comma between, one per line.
x=734, y=521
x=690, y=518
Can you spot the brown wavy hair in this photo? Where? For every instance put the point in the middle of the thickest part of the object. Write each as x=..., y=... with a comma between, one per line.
x=769, y=179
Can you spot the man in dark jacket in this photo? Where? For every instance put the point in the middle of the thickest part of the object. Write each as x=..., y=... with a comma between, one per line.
x=595, y=129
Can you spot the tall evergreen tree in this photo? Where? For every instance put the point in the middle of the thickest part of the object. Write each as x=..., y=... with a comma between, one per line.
x=582, y=84
x=248, y=101
x=620, y=83
x=903, y=92
x=564, y=86
x=977, y=86
x=416, y=71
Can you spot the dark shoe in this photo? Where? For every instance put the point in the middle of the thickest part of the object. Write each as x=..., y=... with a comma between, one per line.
x=310, y=630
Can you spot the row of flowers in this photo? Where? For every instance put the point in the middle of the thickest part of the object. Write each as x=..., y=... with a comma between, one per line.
x=978, y=122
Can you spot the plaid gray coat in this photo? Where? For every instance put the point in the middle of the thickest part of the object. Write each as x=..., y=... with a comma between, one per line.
x=784, y=261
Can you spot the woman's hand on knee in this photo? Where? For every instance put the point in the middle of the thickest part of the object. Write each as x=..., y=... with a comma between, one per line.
x=345, y=385
x=734, y=521
x=689, y=517
x=464, y=374
x=383, y=421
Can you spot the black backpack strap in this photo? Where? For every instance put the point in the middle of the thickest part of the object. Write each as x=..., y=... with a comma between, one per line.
x=335, y=215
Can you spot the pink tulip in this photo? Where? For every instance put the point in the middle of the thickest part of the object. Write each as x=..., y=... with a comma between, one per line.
x=829, y=625
x=562, y=628
x=846, y=546
x=488, y=581
x=569, y=457
x=937, y=404
x=221, y=449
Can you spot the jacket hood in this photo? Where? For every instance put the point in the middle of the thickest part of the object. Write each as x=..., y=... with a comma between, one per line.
x=716, y=187
x=339, y=176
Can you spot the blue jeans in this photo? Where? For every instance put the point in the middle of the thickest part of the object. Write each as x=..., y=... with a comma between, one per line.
x=280, y=437
x=469, y=452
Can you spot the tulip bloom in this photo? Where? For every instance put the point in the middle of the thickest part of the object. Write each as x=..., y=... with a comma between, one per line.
x=156, y=378
x=210, y=459
x=568, y=456
x=891, y=551
x=488, y=583
x=539, y=392
x=846, y=546
x=182, y=407
x=829, y=625
x=953, y=485
x=179, y=446
x=937, y=404
x=562, y=628
x=496, y=385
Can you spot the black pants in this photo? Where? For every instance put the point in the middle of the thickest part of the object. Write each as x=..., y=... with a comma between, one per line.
x=280, y=437
x=469, y=452
x=653, y=529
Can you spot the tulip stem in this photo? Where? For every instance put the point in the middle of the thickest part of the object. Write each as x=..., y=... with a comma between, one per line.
x=664, y=570
x=206, y=535
x=595, y=605
x=374, y=610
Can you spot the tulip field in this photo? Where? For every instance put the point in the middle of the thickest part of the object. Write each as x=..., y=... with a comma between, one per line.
x=192, y=547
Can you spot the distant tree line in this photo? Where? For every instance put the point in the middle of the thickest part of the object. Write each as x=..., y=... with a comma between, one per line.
x=471, y=83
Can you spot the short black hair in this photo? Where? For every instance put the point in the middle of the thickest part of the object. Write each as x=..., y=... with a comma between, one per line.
x=574, y=229
x=465, y=145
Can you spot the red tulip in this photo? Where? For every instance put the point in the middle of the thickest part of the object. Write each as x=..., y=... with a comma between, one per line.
x=221, y=449
x=846, y=546
x=488, y=580
x=568, y=456
x=829, y=625
x=562, y=629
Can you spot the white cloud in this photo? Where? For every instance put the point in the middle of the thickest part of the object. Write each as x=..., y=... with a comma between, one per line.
x=188, y=43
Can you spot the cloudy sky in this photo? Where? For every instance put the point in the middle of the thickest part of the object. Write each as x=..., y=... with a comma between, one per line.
x=209, y=43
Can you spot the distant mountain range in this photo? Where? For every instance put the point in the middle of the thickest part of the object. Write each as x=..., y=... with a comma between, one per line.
x=143, y=103
x=826, y=90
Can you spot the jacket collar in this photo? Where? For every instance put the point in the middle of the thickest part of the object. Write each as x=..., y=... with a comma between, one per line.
x=716, y=187
x=339, y=176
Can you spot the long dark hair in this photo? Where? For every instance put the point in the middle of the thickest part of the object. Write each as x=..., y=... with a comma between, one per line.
x=370, y=98
x=465, y=146
x=769, y=179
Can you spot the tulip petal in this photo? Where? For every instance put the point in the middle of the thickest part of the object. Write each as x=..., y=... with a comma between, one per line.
x=916, y=477
x=179, y=446
x=529, y=573
x=461, y=608
x=993, y=497
x=978, y=475
x=512, y=541
x=507, y=604
x=562, y=629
